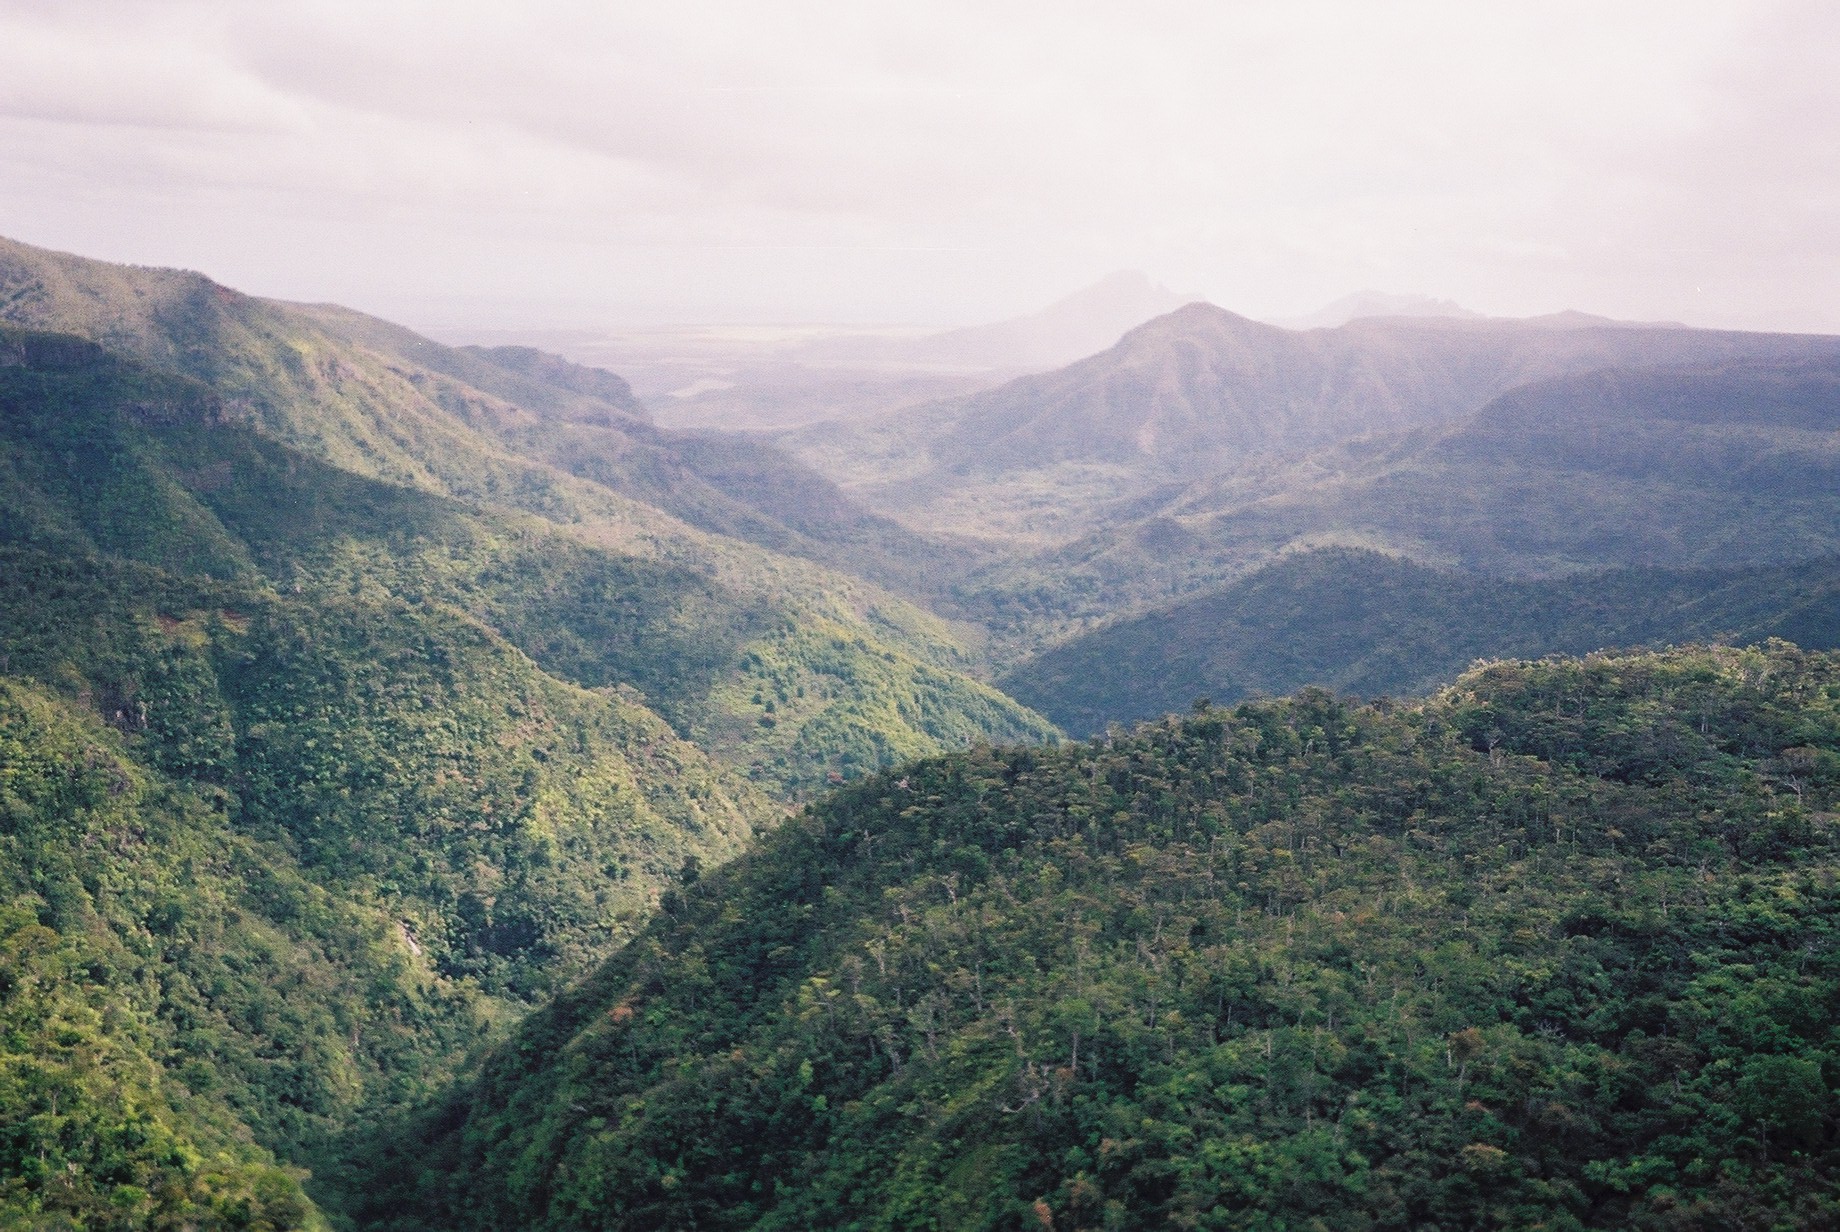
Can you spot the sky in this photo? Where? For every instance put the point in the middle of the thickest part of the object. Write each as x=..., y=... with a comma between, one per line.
x=547, y=165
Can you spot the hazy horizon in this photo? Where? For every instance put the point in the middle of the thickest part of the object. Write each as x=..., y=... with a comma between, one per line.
x=464, y=167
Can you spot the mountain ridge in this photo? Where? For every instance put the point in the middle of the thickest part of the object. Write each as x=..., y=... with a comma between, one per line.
x=1388, y=965
x=1202, y=391
x=436, y=729
x=1363, y=624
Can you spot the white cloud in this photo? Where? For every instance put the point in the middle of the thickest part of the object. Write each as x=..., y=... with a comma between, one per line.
x=949, y=161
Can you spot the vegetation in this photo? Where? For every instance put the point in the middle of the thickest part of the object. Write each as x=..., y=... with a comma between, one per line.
x=1553, y=948
x=131, y=951
x=1692, y=468
x=104, y=455
x=360, y=697
x=362, y=772
x=381, y=830
x=1201, y=392
x=1366, y=624
x=506, y=426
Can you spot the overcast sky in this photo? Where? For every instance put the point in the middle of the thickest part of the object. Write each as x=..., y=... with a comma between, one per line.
x=937, y=162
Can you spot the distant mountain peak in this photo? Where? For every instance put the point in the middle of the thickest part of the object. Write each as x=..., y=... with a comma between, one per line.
x=1085, y=323
x=1088, y=321
x=1197, y=317
x=1372, y=303
x=1120, y=288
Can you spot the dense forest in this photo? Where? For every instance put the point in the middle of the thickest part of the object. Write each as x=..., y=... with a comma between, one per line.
x=321, y=770
x=1552, y=949
x=432, y=795
x=1368, y=624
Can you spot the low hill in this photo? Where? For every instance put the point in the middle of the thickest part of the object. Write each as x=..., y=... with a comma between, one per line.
x=1553, y=948
x=1366, y=624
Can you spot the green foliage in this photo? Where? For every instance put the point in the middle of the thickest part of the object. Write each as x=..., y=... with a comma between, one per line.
x=401, y=751
x=124, y=948
x=78, y=465
x=369, y=830
x=1358, y=622
x=106, y=456
x=349, y=838
x=1689, y=468
x=1554, y=948
x=817, y=699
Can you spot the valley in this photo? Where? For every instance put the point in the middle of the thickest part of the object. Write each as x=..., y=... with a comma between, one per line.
x=1112, y=766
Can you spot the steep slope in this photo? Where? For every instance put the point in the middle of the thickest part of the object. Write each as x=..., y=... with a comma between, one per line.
x=1362, y=623
x=376, y=399
x=1552, y=949
x=358, y=771
x=344, y=830
x=345, y=837
x=112, y=1115
x=866, y=677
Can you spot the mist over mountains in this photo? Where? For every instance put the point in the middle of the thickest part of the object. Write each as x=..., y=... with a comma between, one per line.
x=1089, y=320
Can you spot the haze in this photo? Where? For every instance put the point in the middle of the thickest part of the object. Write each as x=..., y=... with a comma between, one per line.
x=463, y=164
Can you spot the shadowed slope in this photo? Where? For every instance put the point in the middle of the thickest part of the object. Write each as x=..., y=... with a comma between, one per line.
x=1366, y=624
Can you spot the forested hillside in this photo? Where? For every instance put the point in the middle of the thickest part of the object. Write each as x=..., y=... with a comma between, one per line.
x=1684, y=468
x=338, y=734
x=507, y=426
x=403, y=749
x=1366, y=624
x=1552, y=949
x=786, y=672
x=314, y=847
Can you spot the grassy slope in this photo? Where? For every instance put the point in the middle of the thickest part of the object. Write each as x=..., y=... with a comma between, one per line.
x=1551, y=949
x=1367, y=624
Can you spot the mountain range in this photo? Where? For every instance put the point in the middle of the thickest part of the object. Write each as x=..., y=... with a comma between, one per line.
x=756, y=378
x=1202, y=391
x=433, y=793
